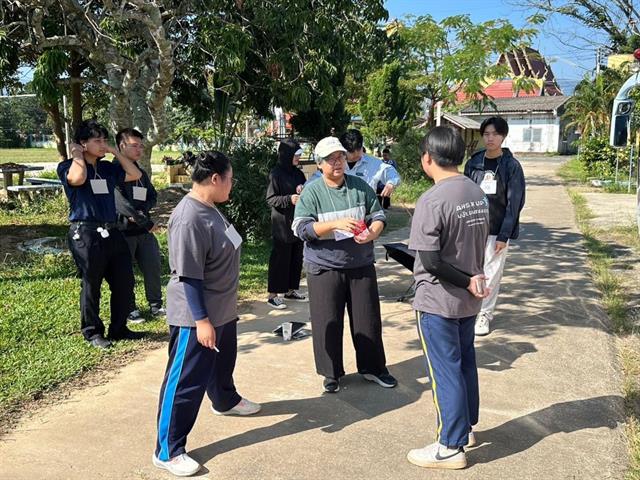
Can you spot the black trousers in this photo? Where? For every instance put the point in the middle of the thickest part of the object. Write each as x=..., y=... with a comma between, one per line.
x=385, y=202
x=285, y=266
x=329, y=293
x=191, y=370
x=100, y=259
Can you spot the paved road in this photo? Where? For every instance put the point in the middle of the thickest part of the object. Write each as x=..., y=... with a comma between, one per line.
x=551, y=406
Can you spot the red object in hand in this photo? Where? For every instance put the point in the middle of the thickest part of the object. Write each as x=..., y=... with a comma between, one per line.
x=361, y=231
x=361, y=226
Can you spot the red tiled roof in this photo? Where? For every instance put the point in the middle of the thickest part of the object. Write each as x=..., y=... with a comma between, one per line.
x=527, y=62
x=505, y=89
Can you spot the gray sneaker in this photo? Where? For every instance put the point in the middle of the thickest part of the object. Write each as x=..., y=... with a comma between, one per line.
x=438, y=456
x=158, y=311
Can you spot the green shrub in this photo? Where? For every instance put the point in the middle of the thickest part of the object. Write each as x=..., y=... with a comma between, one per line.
x=410, y=191
x=599, y=158
x=247, y=209
x=407, y=155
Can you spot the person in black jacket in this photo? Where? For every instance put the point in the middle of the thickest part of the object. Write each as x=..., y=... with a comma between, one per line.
x=134, y=200
x=283, y=192
x=501, y=177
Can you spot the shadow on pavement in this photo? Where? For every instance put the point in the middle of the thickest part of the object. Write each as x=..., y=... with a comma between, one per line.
x=357, y=400
x=522, y=433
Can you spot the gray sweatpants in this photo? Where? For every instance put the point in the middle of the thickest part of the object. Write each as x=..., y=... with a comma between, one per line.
x=145, y=250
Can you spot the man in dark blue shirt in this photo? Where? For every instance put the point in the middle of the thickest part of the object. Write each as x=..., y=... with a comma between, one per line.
x=134, y=200
x=98, y=248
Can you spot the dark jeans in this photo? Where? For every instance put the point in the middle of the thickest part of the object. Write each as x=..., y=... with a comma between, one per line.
x=191, y=370
x=100, y=259
x=285, y=266
x=329, y=293
x=145, y=250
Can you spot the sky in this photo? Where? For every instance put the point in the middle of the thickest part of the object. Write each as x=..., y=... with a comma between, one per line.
x=559, y=40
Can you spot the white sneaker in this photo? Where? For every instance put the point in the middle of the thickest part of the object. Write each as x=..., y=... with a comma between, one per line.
x=438, y=456
x=277, y=303
x=482, y=325
x=181, y=465
x=471, y=441
x=243, y=408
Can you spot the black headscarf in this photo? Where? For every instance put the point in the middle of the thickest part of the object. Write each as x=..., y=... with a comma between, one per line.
x=286, y=150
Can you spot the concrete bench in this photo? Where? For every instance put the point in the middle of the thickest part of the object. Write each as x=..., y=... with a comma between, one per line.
x=29, y=193
x=33, y=188
x=43, y=181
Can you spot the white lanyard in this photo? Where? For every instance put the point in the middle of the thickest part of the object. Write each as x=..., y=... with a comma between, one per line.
x=139, y=191
x=329, y=193
x=339, y=234
x=484, y=156
x=489, y=184
x=230, y=231
x=98, y=184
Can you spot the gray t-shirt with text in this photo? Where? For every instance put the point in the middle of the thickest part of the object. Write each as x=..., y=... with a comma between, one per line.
x=452, y=217
x=200, y=249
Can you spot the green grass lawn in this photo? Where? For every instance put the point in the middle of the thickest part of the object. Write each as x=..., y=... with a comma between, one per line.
x=40, y=155
x=40, y=341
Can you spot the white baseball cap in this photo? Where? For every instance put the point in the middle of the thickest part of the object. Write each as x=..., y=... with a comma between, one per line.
x=326, y=147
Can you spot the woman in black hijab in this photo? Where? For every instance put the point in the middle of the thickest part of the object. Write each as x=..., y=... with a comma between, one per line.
x=285, y=263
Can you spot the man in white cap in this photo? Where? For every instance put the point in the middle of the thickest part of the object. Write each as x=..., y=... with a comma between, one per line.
x=339, y=217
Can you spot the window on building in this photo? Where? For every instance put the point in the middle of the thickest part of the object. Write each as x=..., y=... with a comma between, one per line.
x=528, y=133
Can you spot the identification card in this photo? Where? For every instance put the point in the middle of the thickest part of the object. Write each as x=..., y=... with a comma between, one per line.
x=140, y=193
x=339, y=235
x=233, y=236
x=99, y=186
x=489, y=184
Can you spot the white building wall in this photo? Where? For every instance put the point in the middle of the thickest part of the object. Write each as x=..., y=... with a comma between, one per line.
x=545, y=130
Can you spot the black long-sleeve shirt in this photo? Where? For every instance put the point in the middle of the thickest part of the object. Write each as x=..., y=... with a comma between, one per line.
x=127, y=207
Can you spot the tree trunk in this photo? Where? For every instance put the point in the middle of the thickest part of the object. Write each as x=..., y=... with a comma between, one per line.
x=58, y=129
x=75, y=71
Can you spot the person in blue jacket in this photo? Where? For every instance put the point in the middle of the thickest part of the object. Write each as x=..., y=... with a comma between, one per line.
x=500, y=176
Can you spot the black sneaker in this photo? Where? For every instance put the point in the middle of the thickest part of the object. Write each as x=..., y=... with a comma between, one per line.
x=331, y=385
x=128, y=335
x=385, y=380
x=99, y=341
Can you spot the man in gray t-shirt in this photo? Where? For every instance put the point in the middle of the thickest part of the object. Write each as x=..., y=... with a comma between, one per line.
x=451, y=217
x=448, y=232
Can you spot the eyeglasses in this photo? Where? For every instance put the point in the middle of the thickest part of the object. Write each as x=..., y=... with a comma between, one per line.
x=234, y=181
x=334, y=159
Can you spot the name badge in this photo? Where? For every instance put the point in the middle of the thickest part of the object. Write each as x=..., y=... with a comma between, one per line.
x=489, y=184
x=140, y=193
x=339, y=235
x=233, y=236
x=99, y=186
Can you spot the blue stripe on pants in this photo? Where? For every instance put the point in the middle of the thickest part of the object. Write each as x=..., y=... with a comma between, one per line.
x=448, y=345
x=170, y=392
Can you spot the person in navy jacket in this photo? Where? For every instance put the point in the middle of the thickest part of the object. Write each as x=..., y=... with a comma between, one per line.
x=97, y=246
x=501, y=177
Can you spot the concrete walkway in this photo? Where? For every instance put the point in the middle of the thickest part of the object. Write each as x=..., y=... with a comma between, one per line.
x=551, y=406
